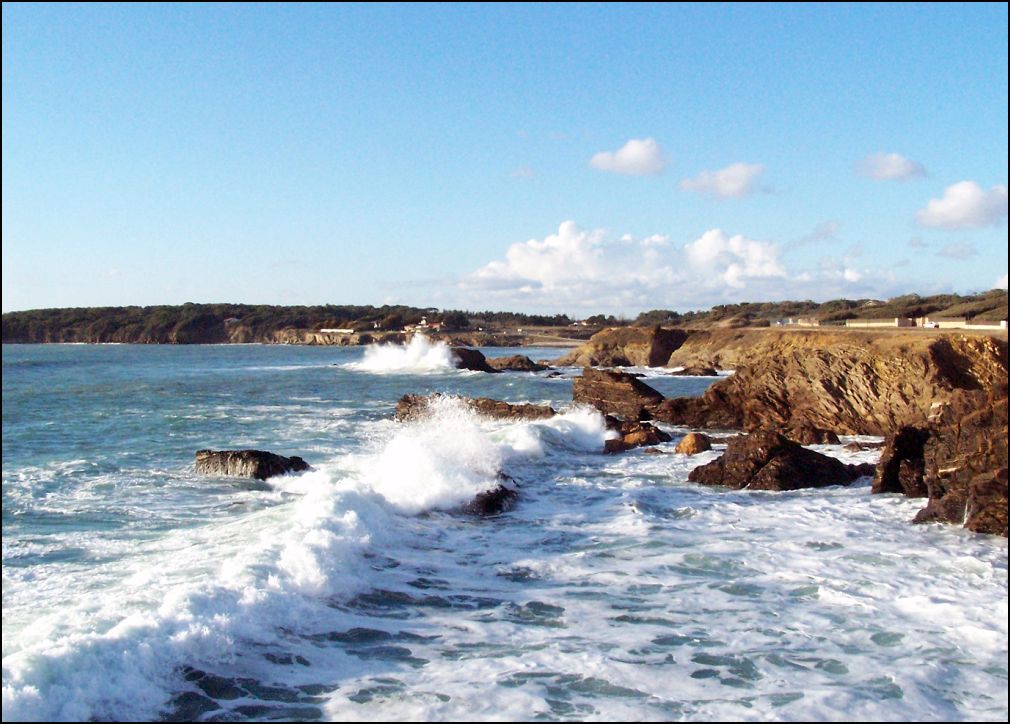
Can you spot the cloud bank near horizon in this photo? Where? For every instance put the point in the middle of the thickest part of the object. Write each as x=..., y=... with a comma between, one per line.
x=580, y=269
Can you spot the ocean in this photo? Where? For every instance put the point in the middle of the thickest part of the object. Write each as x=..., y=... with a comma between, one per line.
x=613, y=590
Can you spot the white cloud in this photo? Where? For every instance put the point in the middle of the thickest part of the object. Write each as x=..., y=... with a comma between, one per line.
x=637, y=157
x=890, y=166
x=958, y=250
x=733, y=182
x=524, y=172
x=1001, y=283
x=965, y=205
x=916, y=242
x=577, y=270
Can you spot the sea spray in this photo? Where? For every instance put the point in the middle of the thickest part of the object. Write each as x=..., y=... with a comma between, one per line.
x=419, y=356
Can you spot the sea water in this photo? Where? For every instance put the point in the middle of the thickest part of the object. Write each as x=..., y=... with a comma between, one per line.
x=615, y=589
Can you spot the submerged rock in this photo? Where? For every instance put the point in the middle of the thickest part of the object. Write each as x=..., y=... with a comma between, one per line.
x=411, y=407
x=767, y=460
x=472, y=359
x=693, y=443
x=806, y=434
x=258, y=464
x=615, y=393
x=516, y=363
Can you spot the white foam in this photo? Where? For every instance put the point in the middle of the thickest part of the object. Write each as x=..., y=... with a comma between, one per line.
x=420, y=355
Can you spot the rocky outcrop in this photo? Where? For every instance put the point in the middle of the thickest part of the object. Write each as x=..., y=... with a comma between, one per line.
x=766, y=460
x=471, y=359
x=258, y=464
x=626, y=346
x=616, y=393
x=902, y=465
x=958, y=459
x=693, y=443
x=516, y=363
x=841, y=381
x=492, y=502
x=696, y=371
x=412, y=407
x=806, y=434
x=633, y=434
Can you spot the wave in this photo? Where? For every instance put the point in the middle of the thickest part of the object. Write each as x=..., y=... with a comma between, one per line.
x=116, y=643
x=420, y=355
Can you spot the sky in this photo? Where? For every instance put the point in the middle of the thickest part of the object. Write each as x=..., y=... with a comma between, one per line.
x=540, y=158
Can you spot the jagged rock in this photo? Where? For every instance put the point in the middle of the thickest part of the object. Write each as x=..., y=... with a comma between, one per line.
x=693, y=443
x=615, y=393
x=472, y=359
x=633, y=434
x=848, y=383
x=626, y=346
x=258, y=464
x=964, y=461
x=806, y=434
x=492, y=502
x=516, y=363
x=767, y=460
x=411, y=407
x=902, y=466
x=696, y=371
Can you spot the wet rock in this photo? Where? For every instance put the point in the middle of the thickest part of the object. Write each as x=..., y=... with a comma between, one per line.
x=696, y=371
x=615, y=393
x=411, y=407
x=516, y=363
x=964, y=462
x=492, y=502
x=767, y=460
x=902, y=465
x=258, y=464
x=472, y=359
x=693, y=443
x=653, y=451
x=633, y=434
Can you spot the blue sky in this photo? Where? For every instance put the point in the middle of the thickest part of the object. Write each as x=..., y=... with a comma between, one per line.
x=550, y=158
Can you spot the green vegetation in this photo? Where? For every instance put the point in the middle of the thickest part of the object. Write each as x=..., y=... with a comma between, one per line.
x=213, y=323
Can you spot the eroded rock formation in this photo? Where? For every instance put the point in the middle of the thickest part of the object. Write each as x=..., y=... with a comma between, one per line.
x=626, y=346
x=412, y=407
x=615, y=393
x=516, y=363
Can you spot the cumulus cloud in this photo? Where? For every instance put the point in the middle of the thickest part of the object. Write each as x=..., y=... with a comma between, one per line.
x=965, y=205
x=637, y=157
x=958, y=250
x=733, y=182
x=1001, y=283
x=890, y=166
x=575, y=269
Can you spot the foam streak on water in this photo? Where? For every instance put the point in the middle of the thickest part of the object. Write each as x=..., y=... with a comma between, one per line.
x=615, y=589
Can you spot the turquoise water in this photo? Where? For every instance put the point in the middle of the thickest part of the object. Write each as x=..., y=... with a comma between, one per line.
x=133, y=588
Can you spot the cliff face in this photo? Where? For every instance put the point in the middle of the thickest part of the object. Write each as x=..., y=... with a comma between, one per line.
x=624, y=346
x=851, y=384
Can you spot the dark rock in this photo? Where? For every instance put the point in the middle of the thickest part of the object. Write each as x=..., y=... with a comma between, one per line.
x=696, y=371
x=693, y=443
x=492, y=502
x=806, y=434
x=412, y=407
x=767, y=460
x=472, y=359
x=516, y=363
x=258, y=464
x=654, y=451
x=965, y=462
x=615, y=393
x=902, y=466
x=633, y=434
